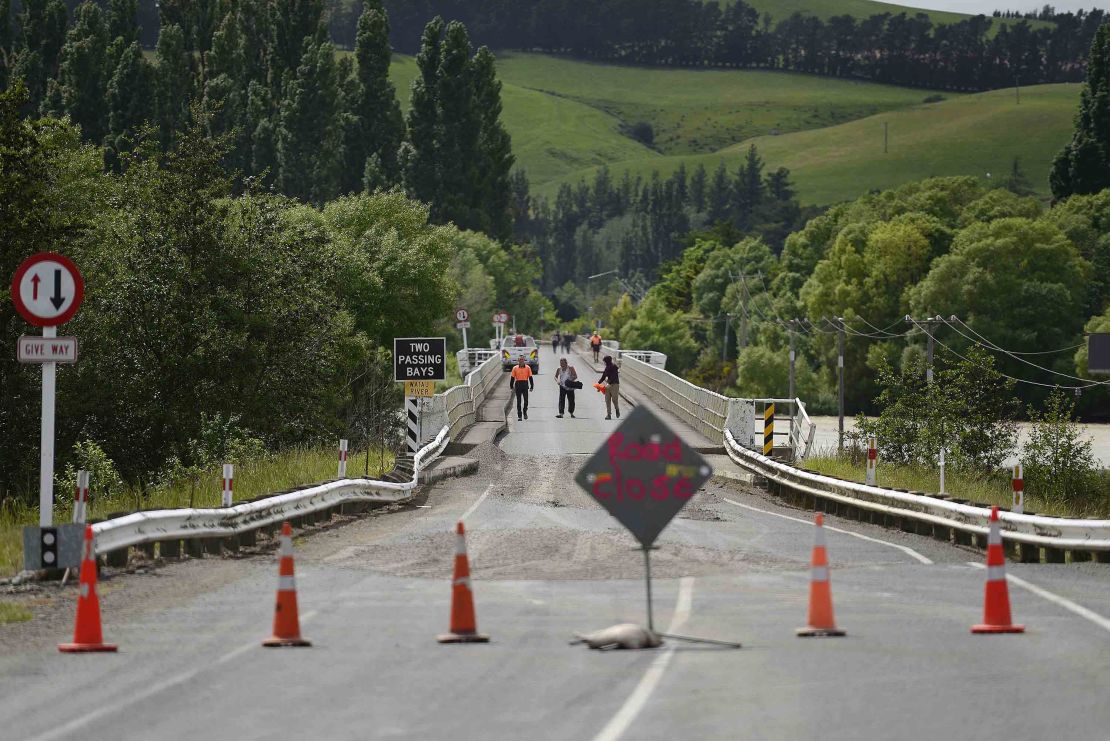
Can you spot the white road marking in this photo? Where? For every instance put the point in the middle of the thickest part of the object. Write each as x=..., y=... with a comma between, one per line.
x=639, y=697
x=81, y=723
x=905, y=549
x=1064, y=602
x=478, y=503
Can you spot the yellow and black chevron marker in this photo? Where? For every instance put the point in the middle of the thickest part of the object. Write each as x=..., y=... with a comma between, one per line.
x=768, y=429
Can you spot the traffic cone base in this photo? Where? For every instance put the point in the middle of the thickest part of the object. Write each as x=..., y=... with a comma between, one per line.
x=997, y=628
x=819, y=632
x=276, y=642
x=86, y=648
x=463, y=638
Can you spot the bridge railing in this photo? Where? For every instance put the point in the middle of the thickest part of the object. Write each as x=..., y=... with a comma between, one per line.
x=457, y=408
x=470, y=359
x=700, y=409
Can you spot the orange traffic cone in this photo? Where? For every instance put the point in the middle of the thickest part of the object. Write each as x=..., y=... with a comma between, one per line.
x=464, y=625
x=600, y=388
x=820, y=620
x=287, y=625
x=87, y=636
x=996, y=606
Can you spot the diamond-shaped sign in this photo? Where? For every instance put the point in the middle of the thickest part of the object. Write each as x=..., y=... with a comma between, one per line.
x=644, y=474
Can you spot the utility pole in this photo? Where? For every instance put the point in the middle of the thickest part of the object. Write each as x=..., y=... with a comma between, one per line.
x=790, y=331
x=840, y=379
x=930, y=323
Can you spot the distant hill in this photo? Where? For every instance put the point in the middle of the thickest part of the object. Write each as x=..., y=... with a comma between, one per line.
x=969, y=135
x=825, y=9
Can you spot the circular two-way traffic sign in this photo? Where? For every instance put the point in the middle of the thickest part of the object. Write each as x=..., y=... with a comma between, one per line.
x=462, y=315
x=47, y=289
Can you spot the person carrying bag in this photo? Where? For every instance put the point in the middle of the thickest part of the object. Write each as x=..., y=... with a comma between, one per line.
x=566, y=377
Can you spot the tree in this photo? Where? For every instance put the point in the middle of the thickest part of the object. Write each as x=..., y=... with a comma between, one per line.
x=377, y=126
x=658, y=328
x=83, y=73
x=422, y=176
x=458, y=131
x=308, y=136
x=296, y=24
x=1017, y=182
x=622, y=314
x=1083, y=166
x=1059, y=464
x=697, y=188
x=130, y=100
x=493, y=196
x=123, y=21
x=719, y=195
x=173, y=83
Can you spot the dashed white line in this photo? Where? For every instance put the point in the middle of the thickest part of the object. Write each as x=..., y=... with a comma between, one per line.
x=82, y=722
x=475, y=506
x=639, y=697
x=1064, y=602
x=905, y=549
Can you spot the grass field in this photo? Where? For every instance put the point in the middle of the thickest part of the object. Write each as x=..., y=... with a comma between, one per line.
x=252, y=479
x=860, y=9
x=968, y=135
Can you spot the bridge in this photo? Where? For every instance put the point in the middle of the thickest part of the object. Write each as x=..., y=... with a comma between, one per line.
x=547, y=563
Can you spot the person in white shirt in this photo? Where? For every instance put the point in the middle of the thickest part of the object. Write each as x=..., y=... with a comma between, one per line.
x=567, y=379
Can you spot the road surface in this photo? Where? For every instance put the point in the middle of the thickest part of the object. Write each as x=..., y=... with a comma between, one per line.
x=548, y=562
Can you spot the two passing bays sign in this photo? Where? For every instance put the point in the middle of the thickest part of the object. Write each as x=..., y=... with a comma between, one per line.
x=644, y=474
x=419, y=359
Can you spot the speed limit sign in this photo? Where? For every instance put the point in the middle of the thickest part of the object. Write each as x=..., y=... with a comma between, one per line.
x=462, y=315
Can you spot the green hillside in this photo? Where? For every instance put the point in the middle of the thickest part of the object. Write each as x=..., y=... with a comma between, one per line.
x=971, y=135
x=860, y=9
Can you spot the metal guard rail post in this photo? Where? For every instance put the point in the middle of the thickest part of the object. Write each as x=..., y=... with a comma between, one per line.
x=153, y=526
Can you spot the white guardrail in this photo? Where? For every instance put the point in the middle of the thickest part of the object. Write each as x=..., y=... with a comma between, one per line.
x=1036, y=530
x=732, y=422
x=450, y=413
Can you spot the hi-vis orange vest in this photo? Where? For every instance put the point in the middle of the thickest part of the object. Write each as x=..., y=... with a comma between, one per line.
x=521, y=374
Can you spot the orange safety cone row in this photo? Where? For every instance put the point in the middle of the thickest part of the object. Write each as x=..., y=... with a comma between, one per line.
x=820, y=620
x=464, y=624
x=287, y=624
x=996, y=605
x=87, y=635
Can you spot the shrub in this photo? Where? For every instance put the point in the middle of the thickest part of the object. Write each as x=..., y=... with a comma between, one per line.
x=1059, y=464
x=642, y=132
x=104, y=479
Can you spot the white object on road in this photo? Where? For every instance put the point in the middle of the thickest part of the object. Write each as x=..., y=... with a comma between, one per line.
x=229, y=483
x=623, y=635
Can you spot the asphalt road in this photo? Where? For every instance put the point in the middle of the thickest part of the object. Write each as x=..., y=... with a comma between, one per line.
x=548, y=562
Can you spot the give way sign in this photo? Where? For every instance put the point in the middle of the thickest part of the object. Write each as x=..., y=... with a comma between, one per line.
x=47, y=289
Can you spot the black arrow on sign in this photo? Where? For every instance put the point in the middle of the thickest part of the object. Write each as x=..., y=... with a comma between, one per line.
x=57, y=299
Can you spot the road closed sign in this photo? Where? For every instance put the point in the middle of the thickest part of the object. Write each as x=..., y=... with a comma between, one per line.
x=419, y=359
x=644, y=474
x=47, y=289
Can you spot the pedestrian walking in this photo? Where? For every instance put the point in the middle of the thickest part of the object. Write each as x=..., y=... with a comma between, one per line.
x=568, y=340
x=520, y=381
x=567, y=379
x=595, y=344
x=556, y=339
x=611, y=379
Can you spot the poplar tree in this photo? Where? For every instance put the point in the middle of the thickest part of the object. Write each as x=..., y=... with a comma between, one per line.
x=718, y=196
x=308, y=137
x=83, y=73
x=421, y=159
x=130, y=96
x=1083, y=166
x=697, y=188
x=495, y=151
x=294, y=21
x=459, y=128
x=376, y=126
x=173, y=83
x=123, y=20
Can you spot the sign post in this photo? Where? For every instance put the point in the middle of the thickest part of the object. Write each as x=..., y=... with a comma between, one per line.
x=47, y=290
x=643, y=475
x=419, y=362
x=462, y=321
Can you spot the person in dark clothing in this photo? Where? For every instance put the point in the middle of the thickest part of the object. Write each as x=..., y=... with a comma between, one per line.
x=520, y=381
x=611, y=378
x=555, y=340
x=568, y=340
